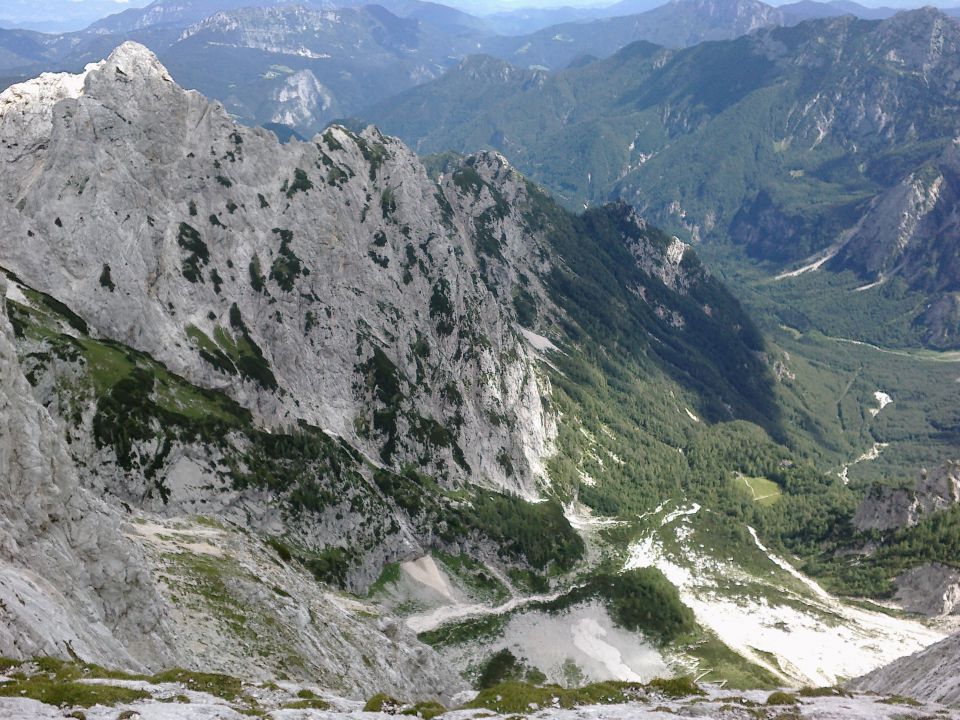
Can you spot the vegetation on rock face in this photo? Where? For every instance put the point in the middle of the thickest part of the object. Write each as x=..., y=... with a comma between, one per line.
x=301, y=183
x=142, y=411
x=287, y=267
x=189, y=239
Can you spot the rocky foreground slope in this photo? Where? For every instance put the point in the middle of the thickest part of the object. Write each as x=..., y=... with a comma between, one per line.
x=933, y=673
x=80, y=578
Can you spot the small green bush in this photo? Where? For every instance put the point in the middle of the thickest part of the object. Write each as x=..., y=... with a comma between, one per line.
x=381, y=702
x=503, y=665
x=105, y=279
x=779, y=697
x=677, y=687
x=426, y=710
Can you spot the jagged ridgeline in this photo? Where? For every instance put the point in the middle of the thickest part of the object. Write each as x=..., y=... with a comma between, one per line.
x=830, y=141
x=362, y=361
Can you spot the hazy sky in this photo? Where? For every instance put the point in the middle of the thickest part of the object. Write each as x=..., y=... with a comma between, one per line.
x=62, y=15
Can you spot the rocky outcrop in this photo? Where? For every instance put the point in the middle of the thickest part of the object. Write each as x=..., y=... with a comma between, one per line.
x=931, y=675
x=912, y=231
x=891, y=508
x=932, y=589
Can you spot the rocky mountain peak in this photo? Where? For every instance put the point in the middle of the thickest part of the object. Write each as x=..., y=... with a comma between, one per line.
x=337, y=254
x=922, y=39
x=134, y=61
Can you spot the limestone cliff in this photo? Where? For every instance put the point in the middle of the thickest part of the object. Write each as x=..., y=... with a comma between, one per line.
x=279, y=273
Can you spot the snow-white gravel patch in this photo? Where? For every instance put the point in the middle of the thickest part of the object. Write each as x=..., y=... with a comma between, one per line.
x=815, y=638
x=425, y=571
x=882, y=400
x=538, y=342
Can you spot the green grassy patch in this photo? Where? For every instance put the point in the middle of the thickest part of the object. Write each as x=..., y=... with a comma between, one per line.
x=57, y=692
x=762, y=491
x=388, y=576
x=724, y=665
x=521, y=697
x=490, y=626
x=900, y=700
x=478, y=579
x=224, y=686
x=307, y=704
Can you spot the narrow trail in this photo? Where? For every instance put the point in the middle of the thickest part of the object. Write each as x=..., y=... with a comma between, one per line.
x=814, y=263
x=450, y=613
x=947, y=356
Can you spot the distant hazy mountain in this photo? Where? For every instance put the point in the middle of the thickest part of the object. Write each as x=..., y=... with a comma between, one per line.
x=177, y=12
x=676, y=24
x=186, y=12
x=57, y=16
x=301, y=67
x=811, y=9
x=835, y=136
x=529, y=20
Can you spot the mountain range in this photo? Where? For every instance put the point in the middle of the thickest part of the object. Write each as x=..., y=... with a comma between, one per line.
x=324, y=365
x=810, y=145
x=302, y=65
x=622, y=383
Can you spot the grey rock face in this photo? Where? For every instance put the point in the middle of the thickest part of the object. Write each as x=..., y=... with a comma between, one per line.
x=932, y=674
x=932, y=589
x=79, y=580
x=299, y=278
x=887, y=508
x=318, y=256
x=68, y=580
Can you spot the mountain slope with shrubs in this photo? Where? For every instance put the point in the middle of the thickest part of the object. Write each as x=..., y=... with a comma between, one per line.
x=302, y=375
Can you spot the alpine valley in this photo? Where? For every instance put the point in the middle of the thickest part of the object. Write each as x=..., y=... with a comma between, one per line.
x=325, y=428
